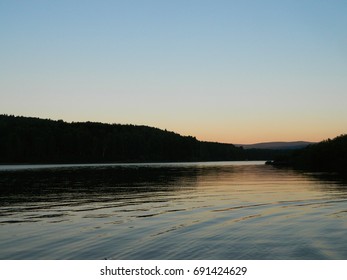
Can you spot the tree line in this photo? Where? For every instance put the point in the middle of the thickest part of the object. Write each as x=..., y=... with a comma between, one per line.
x=327, y=155
x=35, y=140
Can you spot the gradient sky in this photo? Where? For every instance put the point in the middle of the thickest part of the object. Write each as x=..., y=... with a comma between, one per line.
x=229, y=71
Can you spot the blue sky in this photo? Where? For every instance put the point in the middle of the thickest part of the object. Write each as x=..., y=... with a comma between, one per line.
x=229, y=71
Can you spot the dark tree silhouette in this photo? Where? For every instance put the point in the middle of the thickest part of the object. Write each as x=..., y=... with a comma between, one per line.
x=328, y=155
x=34, y=140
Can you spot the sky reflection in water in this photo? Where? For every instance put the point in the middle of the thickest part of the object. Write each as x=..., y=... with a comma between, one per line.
x=172, y=211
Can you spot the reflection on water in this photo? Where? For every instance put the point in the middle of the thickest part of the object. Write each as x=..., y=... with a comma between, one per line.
x=171, y=211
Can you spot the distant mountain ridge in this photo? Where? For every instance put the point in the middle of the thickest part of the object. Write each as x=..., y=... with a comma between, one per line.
x=294, y=145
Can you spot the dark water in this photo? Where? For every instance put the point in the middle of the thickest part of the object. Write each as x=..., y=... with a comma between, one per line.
x=171, y=211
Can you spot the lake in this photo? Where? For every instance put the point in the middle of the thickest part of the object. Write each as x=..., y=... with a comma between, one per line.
x=216, y=210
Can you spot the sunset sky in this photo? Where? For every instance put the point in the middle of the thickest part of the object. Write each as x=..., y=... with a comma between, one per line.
x=229, y=71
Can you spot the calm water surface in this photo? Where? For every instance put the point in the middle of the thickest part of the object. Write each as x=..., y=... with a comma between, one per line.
x=227, y=210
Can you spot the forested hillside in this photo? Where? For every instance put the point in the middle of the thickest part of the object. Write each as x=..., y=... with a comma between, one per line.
x=34, y=140
x=327, y=155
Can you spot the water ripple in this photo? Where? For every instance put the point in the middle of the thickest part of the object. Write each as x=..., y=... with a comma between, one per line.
x=192, y=211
